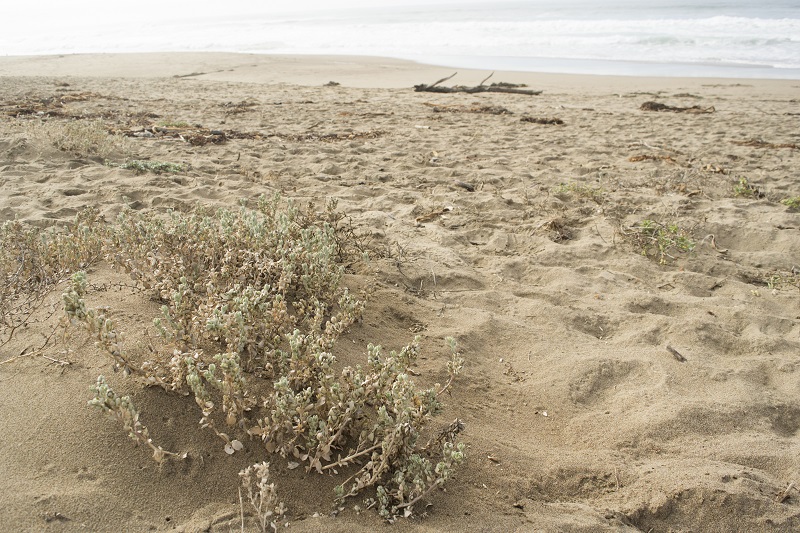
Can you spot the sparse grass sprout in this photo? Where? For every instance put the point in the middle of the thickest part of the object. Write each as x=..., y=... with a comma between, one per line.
x=579, y=190
x=792, y=202
x=83, y=138
x=660, y=241
x=744, y=189
x=156, y=167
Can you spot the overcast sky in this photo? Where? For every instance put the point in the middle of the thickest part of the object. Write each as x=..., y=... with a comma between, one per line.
x=142, y=9
x=54, y=19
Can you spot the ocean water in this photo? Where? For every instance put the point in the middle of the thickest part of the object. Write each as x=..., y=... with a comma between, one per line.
x=729, y=38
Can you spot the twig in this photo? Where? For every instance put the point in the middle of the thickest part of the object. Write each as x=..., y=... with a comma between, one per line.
x=447, y=385
x=676, y=354
x=20, y=356
x=642, y=143
x=57, y=361
x=343, y=462
x=713, y=239
x=443, y=79
x=241, y=508
x=24, y=353
x=486, y=78
x=782, y=496
x=418, y=498
x=599, y=234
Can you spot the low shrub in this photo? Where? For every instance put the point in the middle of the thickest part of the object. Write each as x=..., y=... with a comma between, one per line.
x=83, y=138
x=252, y=307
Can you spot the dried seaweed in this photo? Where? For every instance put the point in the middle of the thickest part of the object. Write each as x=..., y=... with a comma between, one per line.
x=51, y=106
x=656, y=106
x=237, y=108
x=328, y=137
x=542, y=120
x=758, y=143
x=485, y=109
x=650, y=157
x=200, y=136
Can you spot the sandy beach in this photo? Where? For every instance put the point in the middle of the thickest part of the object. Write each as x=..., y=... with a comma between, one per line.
x=617, y=258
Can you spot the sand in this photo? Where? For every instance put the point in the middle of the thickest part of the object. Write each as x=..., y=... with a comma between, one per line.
x=513, y=237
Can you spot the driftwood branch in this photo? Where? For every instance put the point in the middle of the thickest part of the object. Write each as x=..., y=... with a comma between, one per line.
x=485, y=79
x=444, y=79
x=493, y=88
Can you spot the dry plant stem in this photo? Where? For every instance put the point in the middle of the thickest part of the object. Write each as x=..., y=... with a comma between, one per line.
x=262, y=495
x=38, y=351
x=319, y=455
x=446, y=386
x=122, y=409
x=345, y=461
x=376, y=474
x=784, y=494
x=241, y=508
x=57, y=361
x=676, y=354
x=434, y=485
x=96, y=323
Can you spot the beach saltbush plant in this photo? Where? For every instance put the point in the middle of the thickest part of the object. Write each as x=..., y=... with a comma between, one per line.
x=262, y=496
x=251, y=307
x=122, y=409
x=34, y=260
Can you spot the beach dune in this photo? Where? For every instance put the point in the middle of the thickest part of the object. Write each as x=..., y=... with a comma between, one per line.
x=623, y=283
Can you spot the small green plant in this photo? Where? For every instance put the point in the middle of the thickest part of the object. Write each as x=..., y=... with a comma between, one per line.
x=579, y=190
x=156, y=167
x=174, y=124
x=743, y=188
x=792, y=202
x=659, y=241
x=778, y=280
